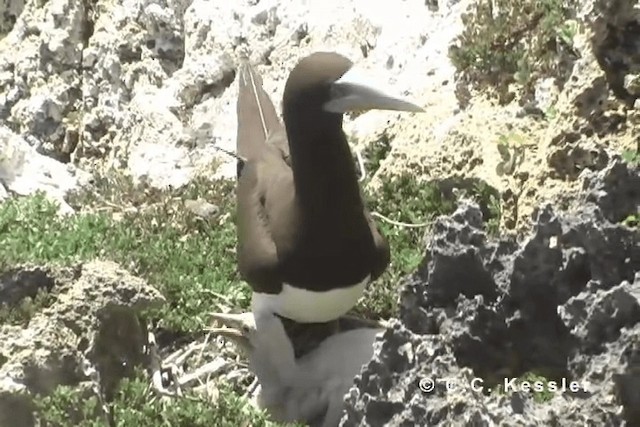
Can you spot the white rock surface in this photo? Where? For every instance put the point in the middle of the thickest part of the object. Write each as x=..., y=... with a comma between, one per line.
x=24, y=171
x=132, y=79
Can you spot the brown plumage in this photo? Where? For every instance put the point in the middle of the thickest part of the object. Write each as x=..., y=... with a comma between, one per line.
x=301, y=218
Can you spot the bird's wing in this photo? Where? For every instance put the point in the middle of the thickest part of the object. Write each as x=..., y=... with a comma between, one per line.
x=265, y=181
x=257, y=117
x=279, y=140
x=381, y=248
x=257, y=250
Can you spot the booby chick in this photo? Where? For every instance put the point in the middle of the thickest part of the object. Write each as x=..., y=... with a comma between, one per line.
x=314, y=390
x=307, y=245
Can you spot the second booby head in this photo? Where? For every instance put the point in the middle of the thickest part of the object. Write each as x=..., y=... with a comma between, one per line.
x=306, y=242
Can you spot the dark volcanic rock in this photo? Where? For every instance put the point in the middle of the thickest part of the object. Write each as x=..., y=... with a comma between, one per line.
x=561, y=306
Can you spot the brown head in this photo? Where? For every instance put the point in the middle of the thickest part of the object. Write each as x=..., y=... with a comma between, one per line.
x=309, y=83
x=329, y=82
x=320, y=88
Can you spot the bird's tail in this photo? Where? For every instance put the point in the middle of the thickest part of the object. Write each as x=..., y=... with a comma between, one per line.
x=257, y=115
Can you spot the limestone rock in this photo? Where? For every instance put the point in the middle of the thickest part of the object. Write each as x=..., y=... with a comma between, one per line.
x=562, y=304
x=92, y=322
x=132, y=81
x=24, y=171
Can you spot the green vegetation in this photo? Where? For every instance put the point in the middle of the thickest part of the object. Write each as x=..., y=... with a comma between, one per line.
x=190, y=259
x=531, y=378
x=632, y=157
x=511, y=139
x=511, y=148
x=507, y=41
x=69, y=406
x=551, y=113
x=132, y=406
x=632, y=220
x=490, y=203
x=375, y=153
x=404, y=199
x=401, y=199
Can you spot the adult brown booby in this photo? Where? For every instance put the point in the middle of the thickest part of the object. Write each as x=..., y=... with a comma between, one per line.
x=306, y=242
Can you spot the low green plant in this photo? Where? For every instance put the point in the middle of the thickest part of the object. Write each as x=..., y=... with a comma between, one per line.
x=135, y=405
x=531, y=378
x=401, y=199
x=567, y=31
x=375, y=153
x=190, y=259
x=511, y=149
x=632, y=220
x=404, y=199
x=506, y=41
x=134, y=408
x=551, y=113
x=69, y=406
x=632, y=157
x=511, y=139
x=491, y=205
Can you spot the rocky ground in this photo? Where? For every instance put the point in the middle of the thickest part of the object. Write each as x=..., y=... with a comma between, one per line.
x=146, y=89
x=562, y=304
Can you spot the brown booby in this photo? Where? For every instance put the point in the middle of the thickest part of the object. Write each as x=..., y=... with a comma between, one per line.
x=313, y=389
x=306, y=243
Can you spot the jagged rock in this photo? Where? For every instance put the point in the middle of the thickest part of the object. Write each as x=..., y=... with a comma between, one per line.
x=92, y=322
x=615, y=190
x=597, y=317
x=562, y=304
x=40, y=79
x=632, y=84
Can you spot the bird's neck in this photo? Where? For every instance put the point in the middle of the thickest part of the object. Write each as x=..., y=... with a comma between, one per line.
x=323, y=168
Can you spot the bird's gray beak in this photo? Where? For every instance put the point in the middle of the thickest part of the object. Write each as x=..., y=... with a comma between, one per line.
x=355, y=92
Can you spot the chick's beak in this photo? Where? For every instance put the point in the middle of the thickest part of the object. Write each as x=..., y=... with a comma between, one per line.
x=236, y=328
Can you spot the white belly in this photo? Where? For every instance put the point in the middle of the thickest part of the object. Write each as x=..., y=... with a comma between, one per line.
x=308, y=306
